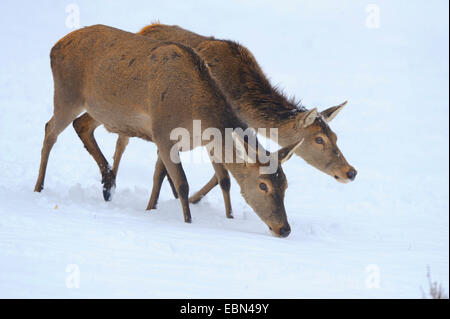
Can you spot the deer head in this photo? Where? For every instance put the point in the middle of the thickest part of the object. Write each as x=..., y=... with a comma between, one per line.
x=264, y=192
x=320, y=146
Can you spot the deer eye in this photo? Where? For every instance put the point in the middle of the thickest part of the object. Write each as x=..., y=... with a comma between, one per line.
x=263, y=186
x=319, y=140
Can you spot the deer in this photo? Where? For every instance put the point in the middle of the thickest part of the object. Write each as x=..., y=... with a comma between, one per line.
x=136, y=86
x=256, y=102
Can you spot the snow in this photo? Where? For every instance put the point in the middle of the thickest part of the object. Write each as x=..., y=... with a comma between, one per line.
x=372, y=238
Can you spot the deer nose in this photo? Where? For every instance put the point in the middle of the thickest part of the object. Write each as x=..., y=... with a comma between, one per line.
x=285, y=231
x=351, y=174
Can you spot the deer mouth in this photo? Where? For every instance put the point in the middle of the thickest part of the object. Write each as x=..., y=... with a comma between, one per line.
x=341, y=180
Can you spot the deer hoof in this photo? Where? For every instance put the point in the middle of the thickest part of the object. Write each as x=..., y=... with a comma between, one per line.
x=109, y=185
x=108, y=193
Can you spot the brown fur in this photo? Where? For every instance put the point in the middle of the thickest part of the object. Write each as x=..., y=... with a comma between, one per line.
x=236, y=69
x=139, y=87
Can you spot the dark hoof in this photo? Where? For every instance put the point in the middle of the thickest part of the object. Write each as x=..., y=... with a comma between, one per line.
x=107, y=194
x=230, y=216
x=188, y=220
x=109, y=185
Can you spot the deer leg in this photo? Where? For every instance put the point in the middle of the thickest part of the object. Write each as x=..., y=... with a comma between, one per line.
x=176, y=173
x=172, y=186
x=85, y=126
x=194, y=199
x=158, y=178
x=222, y=178
x=224, y=181
x=59, y=121
x=121, y=144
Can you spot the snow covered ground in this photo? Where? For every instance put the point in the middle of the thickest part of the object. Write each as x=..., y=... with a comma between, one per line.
x=373, y=238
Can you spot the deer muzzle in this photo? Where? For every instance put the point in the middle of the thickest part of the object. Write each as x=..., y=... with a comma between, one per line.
x=282, y=232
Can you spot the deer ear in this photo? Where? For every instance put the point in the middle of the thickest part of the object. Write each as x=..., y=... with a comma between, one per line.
x=285, y=153
x=307, y=118
x=241, y=148
x=331, y=112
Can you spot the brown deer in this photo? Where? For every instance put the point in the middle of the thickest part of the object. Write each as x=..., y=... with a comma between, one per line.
x=139, y=87
x=256, y=102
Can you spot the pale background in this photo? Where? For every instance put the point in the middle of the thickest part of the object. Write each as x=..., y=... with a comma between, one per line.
x=373, y=238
